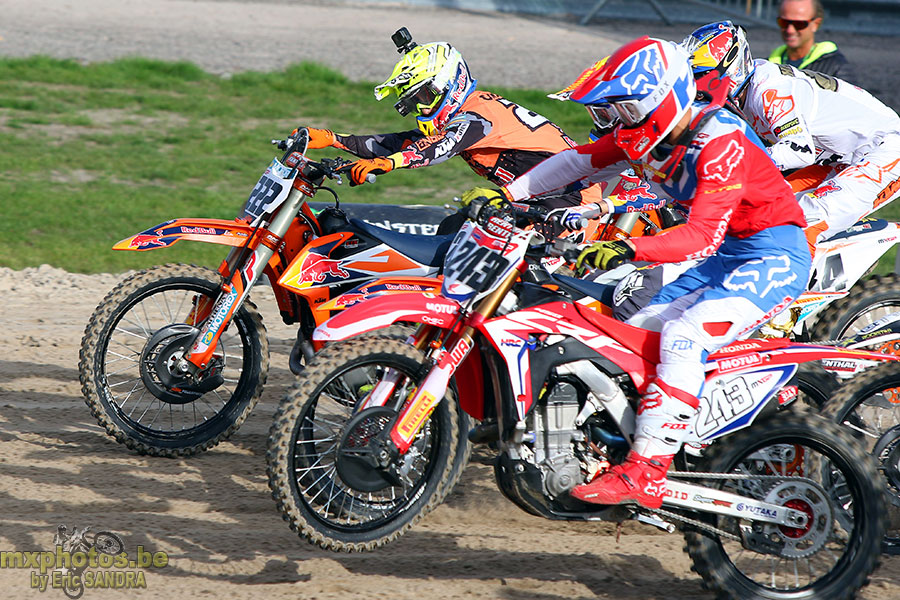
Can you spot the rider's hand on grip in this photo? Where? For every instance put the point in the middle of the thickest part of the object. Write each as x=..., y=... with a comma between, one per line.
x=577, y=217
x=489, y=196
x=361, y=170
x=318, y=138
x=605, y=255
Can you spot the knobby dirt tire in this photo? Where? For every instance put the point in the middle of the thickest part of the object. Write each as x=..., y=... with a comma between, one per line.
x=883, y=423
x=283, y=438
x=94, y=346
x=879, y=291
x=712, y=562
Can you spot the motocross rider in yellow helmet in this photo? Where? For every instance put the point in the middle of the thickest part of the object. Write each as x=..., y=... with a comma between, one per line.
x=499, y=139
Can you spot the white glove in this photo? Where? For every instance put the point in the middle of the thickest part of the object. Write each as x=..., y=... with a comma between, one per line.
x=576, y=217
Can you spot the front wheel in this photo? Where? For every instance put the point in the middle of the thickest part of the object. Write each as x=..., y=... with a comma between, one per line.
x=325, y=493
x=135, y=333
x=807, y=463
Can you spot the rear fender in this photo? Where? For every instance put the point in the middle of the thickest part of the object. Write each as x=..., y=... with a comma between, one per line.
x=211, y=231
x=382, y=311
x=751, y=355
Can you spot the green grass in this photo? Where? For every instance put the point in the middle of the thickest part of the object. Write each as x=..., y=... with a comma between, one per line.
x=94, y=153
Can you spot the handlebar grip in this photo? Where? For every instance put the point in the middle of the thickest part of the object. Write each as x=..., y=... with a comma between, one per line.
x=591, y=214
x=571, y=255
x=370, y=178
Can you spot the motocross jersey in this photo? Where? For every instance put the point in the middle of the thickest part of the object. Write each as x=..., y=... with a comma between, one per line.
x=811, y=118
x=499, y=140
x=727, y=182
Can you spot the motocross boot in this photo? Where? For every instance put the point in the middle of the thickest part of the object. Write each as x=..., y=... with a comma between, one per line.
x=662, y=423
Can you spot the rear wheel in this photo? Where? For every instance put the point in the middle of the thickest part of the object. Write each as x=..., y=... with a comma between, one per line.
x=869, y=405
x=868, y=301
x=807, y=463
x=325, y=492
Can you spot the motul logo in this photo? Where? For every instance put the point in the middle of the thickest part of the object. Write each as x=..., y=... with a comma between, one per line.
x=738, y=362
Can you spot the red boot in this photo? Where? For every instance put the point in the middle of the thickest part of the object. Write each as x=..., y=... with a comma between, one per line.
x=638, y=479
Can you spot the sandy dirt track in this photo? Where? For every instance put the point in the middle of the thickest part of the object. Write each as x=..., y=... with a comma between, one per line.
x=212, y=514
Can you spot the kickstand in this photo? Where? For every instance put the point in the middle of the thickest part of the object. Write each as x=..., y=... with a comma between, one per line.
x=618, y=531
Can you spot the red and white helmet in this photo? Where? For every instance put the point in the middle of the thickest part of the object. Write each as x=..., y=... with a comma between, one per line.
x=648, y=85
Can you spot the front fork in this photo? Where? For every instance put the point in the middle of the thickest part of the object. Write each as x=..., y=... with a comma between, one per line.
x=424, y=399
x=237, y=288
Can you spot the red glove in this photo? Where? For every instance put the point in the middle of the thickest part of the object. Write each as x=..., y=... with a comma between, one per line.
x=319, y=138
x=364, y=167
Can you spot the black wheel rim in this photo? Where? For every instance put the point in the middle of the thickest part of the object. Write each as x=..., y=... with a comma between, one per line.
x=315, y=441
x=120, y=377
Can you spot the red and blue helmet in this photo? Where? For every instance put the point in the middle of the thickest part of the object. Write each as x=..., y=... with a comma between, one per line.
x=721, y=48
x=646, y=84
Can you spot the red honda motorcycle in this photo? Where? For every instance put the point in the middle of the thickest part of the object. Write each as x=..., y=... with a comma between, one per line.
x=773, y=503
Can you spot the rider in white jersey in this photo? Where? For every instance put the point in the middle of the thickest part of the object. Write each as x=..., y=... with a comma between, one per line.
x=810, y=118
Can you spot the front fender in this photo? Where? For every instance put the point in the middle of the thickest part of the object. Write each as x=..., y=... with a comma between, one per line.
x=211, y=231
x=381, y=311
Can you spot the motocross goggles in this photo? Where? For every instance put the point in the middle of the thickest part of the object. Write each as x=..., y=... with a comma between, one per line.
x=604, y=116
x=630, y=112
x=418, y=99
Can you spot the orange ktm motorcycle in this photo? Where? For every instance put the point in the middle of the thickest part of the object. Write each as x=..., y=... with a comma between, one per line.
x=175, y=357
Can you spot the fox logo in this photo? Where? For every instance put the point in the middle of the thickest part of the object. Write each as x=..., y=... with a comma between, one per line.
x=650, y=401
x=655, y=488
x=749, y=276
x=721, y=167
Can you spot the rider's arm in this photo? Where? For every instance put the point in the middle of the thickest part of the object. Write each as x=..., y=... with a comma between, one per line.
x=378, y=145
x=593, y=161
x=460, y=133
x=779, y=106
x=720, y=187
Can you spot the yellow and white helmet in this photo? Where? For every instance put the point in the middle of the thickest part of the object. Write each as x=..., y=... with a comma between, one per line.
x=431, y=82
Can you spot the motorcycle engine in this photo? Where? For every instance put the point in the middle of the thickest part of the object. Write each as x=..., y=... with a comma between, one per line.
x=555, y=435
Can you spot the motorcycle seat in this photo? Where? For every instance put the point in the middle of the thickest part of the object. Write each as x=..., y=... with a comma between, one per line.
x=599, y=291
x=424, y=249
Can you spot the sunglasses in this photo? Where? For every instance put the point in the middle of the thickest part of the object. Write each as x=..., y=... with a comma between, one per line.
x=798, y=25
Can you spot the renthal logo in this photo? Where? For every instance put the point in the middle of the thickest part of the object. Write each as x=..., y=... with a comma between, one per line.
x=738, y=362
x=757, y=510
x=445, y=309
x=840, y=365
x=209, y=230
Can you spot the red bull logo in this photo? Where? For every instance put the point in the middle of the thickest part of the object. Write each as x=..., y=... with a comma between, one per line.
x=143, y=240
x=828, y=188
x=317, y=268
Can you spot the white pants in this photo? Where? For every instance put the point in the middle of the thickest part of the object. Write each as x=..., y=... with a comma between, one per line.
x=854, y=192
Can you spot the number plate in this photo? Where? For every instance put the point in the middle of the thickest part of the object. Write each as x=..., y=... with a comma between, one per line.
x=477, y=262
x=270, y=191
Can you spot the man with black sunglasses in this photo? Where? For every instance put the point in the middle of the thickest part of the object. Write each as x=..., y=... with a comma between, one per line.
x=799, y=20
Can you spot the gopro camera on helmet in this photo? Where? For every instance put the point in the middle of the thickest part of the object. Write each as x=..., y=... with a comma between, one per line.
x=403, y=40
